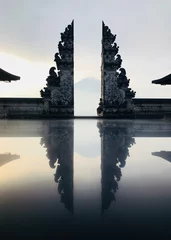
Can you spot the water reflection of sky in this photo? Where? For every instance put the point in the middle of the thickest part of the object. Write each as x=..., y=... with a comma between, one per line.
x=85, y=175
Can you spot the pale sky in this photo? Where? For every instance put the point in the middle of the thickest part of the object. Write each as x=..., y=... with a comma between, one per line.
x=30, y=32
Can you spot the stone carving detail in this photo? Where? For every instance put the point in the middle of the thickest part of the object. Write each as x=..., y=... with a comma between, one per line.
x=45, y=93
x=59, y=90
x=53, y=79
x=100, y=107
x=115, y=92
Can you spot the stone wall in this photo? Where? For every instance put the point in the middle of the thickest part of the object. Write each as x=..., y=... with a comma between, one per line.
x=21, y=108
x=30, y=108
x=151, y=108
x=140, y=108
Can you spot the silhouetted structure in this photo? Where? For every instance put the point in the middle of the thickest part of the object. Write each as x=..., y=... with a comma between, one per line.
x=58, y=141
x=7, y=77
x=163, y=154
x=116, y=96
x=163, y=81
x=58, y=94
x=115, y=141
x=7, y=157
x=117, y=99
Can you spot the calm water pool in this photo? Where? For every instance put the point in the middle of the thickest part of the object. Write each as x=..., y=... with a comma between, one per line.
x=85, y=178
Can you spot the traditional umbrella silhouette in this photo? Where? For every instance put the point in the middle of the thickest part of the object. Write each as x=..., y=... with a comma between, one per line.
x=7, y=157
x=163, y=154
x=163, y=81
x=7, y=77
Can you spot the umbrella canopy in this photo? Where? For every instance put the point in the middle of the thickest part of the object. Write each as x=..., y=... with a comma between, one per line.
x=163, y=81
x=163, y=154
x=6, y=76
x=7, y=157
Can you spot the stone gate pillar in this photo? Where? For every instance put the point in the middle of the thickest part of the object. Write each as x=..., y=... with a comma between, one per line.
x=59, y=94
x=116, y=96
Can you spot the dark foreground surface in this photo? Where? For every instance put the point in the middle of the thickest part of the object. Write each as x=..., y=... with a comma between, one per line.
x=85, y=179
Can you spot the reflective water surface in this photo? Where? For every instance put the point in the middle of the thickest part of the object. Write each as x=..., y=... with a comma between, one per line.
x=85, y=178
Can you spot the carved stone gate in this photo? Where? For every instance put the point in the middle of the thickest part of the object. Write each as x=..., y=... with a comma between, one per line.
x=116, y=96
x=58, y=95
x=57, y=98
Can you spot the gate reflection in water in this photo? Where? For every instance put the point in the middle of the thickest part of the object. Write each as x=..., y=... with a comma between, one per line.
x=70, y=176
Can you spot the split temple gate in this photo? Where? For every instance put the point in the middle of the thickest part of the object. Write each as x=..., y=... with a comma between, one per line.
x=57, y=98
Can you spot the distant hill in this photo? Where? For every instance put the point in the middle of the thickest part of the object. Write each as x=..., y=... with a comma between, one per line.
x=87, y=95
x=88, y=85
